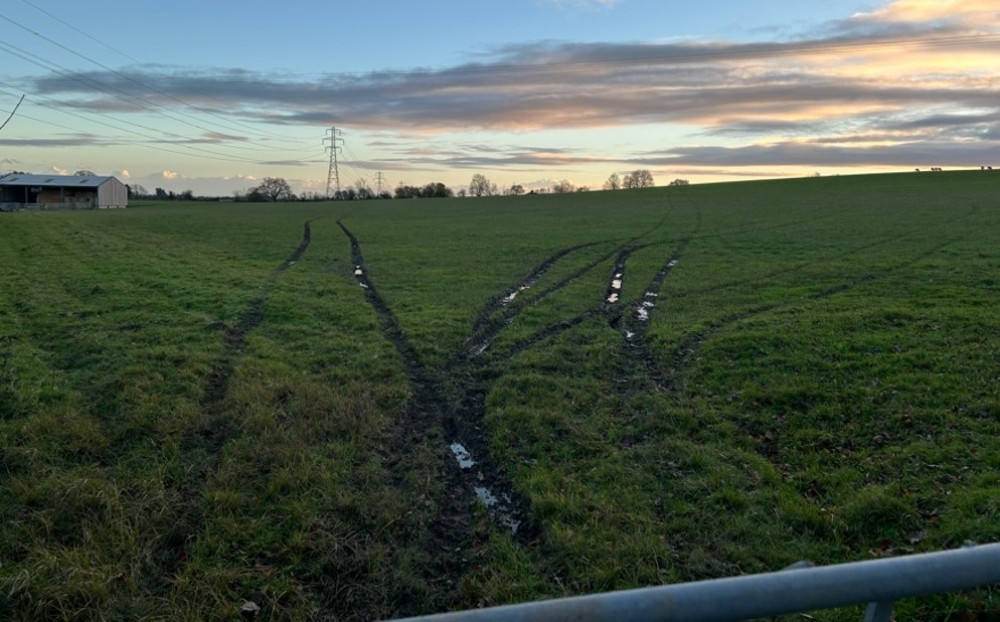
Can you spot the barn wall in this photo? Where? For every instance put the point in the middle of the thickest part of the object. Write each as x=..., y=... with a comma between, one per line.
x=112, y=193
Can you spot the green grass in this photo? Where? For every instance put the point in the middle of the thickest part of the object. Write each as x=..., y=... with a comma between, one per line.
x=817, y=381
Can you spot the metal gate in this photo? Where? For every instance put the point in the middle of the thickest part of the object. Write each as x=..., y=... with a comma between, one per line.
x=798, y=589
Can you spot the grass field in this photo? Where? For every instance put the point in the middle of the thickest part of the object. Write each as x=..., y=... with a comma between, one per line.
x=204, y=406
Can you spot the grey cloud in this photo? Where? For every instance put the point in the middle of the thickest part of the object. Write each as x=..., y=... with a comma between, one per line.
x=529, y=86
x=289, y=162
x=73, y=141
x=730, y=90
x=806, y=154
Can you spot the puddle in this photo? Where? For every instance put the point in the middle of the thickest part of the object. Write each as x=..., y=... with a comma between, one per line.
x=673, y=262
x=509, y=298
x=500, y=510
x=616, y=288
x=629, y=334
x=642, y=313
x=358, y=271
x=365, y=285
x=488, y=498
x=462, y=456
x=480, y=349
x=651, y=295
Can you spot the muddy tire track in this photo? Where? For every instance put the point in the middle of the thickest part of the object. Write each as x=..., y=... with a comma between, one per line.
x=390, y=324
x=686, y=349
x=487, y=331
x=204, y=441
x=421, y=428
x=448, y=407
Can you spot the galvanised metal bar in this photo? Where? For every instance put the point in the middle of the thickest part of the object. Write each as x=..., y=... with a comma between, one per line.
x=879, y=581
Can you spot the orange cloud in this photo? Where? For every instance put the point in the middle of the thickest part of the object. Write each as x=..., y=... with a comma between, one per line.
x=982, y=14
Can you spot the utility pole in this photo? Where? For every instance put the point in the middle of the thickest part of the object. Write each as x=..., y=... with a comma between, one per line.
x=379, y=179
x=333, y=176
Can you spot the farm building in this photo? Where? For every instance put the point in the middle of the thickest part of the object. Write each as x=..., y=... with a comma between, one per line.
x=19, y=191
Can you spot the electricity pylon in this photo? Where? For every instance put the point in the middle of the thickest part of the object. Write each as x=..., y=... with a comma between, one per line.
x=333, y=176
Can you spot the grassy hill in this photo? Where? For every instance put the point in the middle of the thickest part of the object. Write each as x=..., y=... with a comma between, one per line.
x=204, y=406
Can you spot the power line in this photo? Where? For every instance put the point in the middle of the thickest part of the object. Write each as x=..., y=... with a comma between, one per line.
x=134, y=60
x=41, y=62
x=12, y=112
x=211, y=155
x=129, y=98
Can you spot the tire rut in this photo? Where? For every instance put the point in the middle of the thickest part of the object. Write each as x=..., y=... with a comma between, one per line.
x=686, y=349
x=205, y=441
x=448, y=407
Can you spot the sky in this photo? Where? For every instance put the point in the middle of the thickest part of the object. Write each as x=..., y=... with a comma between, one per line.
x=214, y=96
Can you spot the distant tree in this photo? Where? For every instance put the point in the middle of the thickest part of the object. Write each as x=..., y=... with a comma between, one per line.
x=136, y=191
x=640, y=178
x=583, y=189
x=462, y=192
x=407, y=192
x=187, y=195
x=363, y=189
x=516, y=190
x=436, y=190
x=481, y=186
x=161, y=194
x=274, y=189
x=85, y=173
x=679, y=182
x=613, y=183
x=563, y=186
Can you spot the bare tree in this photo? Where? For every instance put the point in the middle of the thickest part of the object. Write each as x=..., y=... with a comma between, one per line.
x=613, y=183
x=364, y=190
x=274, y=189
x=563, y=186
x=481, y=186
x=639, y=178
x=136, y=190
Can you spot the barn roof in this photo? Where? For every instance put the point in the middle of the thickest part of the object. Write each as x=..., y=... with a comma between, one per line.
x=53, y=181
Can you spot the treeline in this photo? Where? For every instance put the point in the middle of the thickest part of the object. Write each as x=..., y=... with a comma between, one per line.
x=274, y=189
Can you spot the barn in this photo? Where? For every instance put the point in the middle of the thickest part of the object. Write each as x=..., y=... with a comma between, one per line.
x=18, y=191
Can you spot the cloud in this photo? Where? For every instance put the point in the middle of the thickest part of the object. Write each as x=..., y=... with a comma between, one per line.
x=78, y=140
x=912, y=75
x=534, y=86
x=817, y=154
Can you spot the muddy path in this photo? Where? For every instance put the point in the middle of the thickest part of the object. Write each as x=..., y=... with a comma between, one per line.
x=446, y=411
x=204, y=441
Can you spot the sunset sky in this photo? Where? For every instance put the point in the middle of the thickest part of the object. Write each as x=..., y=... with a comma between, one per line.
x=212, y=96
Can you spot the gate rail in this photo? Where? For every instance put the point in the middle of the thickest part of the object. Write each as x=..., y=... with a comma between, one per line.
x=799, y=589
